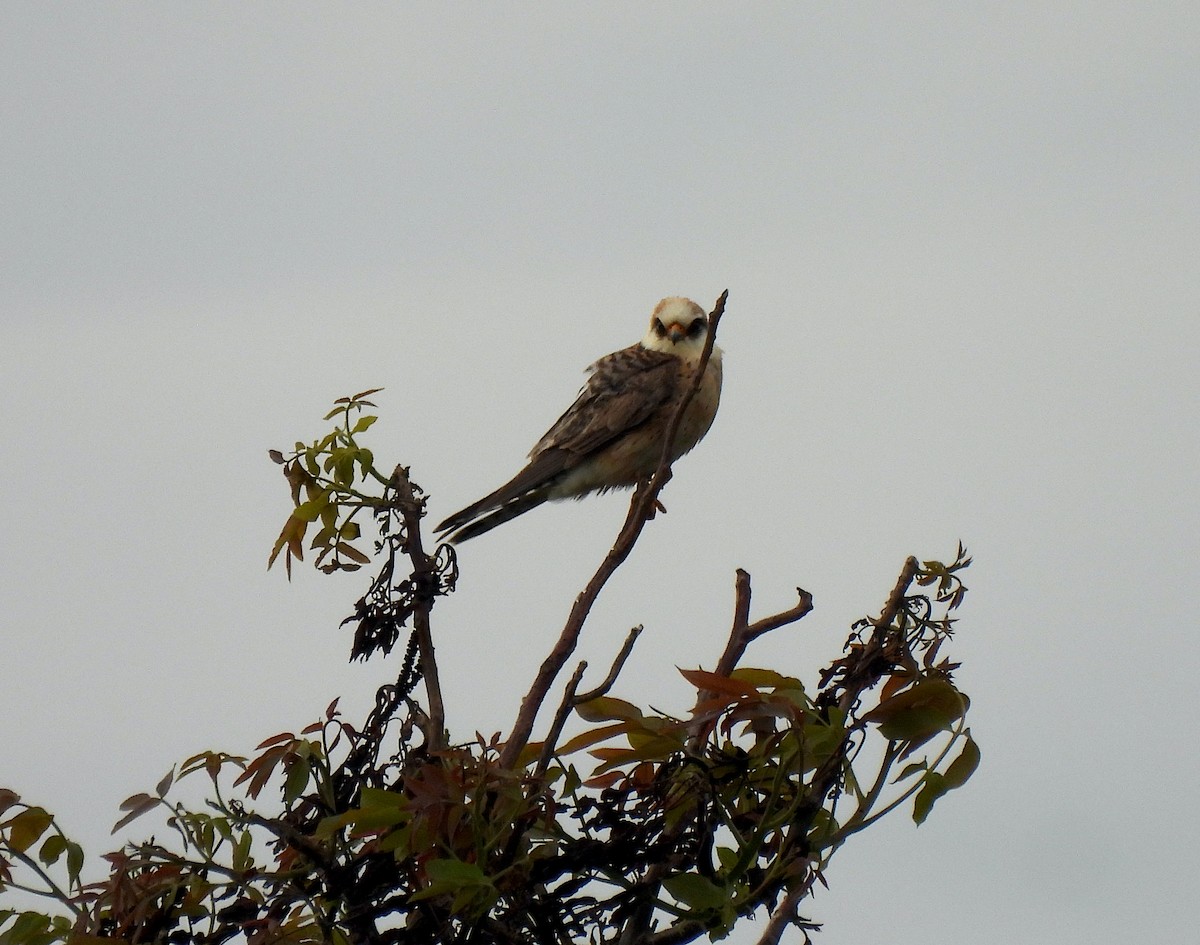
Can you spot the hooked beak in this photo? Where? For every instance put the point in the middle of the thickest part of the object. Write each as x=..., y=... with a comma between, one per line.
x=677, y=332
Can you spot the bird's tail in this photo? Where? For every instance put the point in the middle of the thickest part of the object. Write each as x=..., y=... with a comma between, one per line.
x=510, y=510
x=526, y=490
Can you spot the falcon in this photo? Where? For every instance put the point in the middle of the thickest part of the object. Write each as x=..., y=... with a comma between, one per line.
x=612, y=436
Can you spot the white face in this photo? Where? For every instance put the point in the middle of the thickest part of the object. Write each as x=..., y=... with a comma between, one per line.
x=678, y=326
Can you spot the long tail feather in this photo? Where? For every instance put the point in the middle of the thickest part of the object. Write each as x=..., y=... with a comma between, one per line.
x=499, y=517
x=540, y=471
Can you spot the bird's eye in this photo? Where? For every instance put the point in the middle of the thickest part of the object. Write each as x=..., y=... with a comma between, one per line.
x=697, y=327
x=659, y=328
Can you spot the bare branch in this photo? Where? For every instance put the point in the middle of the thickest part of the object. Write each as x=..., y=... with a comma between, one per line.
x=896, y=599
x=781, y=619
x=570, y=699
x=617, y=666
x=639, y=513
x=785, y=913
x=425, y=575
x=686, y=930
x=560, y=719
x=743, y=632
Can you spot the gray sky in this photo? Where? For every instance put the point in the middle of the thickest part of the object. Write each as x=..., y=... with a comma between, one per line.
x=961, y=244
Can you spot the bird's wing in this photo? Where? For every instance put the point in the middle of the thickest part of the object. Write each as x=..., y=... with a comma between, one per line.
x=623, y=391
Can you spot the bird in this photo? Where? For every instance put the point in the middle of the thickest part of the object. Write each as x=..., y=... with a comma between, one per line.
x=612, y=436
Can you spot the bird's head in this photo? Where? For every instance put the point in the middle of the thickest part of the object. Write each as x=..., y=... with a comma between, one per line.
x=679, y=327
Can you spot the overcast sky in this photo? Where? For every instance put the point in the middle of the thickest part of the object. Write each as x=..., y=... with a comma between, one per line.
x=962, y=243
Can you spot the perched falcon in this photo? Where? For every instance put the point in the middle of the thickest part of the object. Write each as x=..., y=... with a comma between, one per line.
x=612, y=436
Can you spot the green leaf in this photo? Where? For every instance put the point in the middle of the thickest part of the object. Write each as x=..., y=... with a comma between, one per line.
x=241, y=851
x=311, y=510
x=378, y=797
x=455, y=872
x=696, y=892
x=822, y=739
x=52, y=849
x=363, y=423
x=910, y=770
x=465, y=881
x=604, y=708
x=765, y=677
x=962, y=767
x=378, y=811
x=74, y=861
x=296, y=781
x=28, y=928
x=25, y=829
x=931, y=706
x=935, y=787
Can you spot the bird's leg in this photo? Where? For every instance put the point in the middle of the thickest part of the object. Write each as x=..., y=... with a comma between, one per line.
x=654, y=509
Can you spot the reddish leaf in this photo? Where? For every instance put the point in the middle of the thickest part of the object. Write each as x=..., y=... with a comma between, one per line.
x=602, y=781
x=715, y=682
x=894, y=684
x=137, y=805
x=275, y=740
x=591, y=737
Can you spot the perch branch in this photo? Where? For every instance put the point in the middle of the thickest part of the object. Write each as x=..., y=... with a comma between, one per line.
x=639, y=512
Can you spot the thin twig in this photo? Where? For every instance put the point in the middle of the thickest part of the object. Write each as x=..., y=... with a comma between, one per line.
x=781, y=619
x=639, y=512
x=53, y=890
x=617, y=666
x=572, y=698
x=560, y=719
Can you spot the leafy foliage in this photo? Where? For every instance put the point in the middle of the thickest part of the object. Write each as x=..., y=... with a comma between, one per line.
x=326, y=478
x=642, y=827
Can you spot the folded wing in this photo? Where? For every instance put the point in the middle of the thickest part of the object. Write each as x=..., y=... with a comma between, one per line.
x=625, y=390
